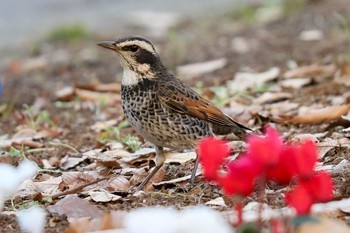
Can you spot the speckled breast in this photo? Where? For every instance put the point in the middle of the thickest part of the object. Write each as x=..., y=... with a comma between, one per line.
x=155, y=122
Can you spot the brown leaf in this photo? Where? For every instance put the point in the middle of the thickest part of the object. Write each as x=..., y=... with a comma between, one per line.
x=102, y=87
x=29, y=143
x=75, y=207
x=65, y=94
x=103, y=196
x=70, y=162
x=97, y=96
x=310, y=71
x=315, y=116
x=119, y=183
x=343, y=76
x=111, y=220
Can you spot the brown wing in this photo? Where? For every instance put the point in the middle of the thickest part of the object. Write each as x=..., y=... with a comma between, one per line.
x=186, y=101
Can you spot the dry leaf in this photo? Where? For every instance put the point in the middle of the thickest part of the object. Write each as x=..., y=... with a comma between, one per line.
x=103, y=196
x=119, y=183
x=201, y=68
x=311, y=35
x=270, y=97
x=97, y=96
x=178, y=180
x=295, y=83
x=181, y=158
x=71, y=162
x=75, y=207
x=310, y=71
x=49, y=186
x=100, y=87
x=101, y=126
x=315, y=116
x=112, y=220
x=65, y=93
x=244, y=81
x=217, y=202
x=343, y=76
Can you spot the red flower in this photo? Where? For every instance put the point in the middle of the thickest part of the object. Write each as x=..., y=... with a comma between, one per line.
x=305, y=158
x=240, y=177
x=265, y=150
x=280, y=172
x=294, y=161
x=316, y=188
x=300, y=199
x=320, y=186
x=212, y=153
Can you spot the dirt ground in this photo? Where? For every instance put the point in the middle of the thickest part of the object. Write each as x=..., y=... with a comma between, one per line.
x=32, y=80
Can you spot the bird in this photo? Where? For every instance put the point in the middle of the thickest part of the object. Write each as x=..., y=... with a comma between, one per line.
x=161, y=108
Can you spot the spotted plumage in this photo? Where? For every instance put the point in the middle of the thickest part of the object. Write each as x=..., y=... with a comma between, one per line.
x=160, y=107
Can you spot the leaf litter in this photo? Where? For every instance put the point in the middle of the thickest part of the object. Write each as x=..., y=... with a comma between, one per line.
x=84, y=167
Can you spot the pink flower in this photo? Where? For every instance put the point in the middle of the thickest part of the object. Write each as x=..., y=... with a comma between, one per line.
x=265, y=150
x=300, y=199
x=280, y=172
x=320, y=186
x=240, y=177
x=303, y=159
x=316, y=188
x=212, y=153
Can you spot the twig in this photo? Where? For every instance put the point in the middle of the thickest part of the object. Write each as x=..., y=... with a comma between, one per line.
x=64, y=145
x=75, y=190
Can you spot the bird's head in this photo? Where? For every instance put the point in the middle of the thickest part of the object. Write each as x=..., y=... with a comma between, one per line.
x=138, y=55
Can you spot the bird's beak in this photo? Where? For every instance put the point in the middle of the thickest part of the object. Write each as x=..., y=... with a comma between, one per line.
x=108, y=44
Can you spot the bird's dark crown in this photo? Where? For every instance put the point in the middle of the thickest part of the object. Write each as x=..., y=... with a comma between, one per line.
x=138, y=54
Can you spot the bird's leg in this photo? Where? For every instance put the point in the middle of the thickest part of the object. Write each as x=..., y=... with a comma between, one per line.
x=194, y=171
x=160, y=159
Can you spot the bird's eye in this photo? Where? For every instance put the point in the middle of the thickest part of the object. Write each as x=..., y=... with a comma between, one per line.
x=134, y=48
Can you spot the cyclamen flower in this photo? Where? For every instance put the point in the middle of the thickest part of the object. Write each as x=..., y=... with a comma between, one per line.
x=294, y=161
x=265, y=151
x=212, y=153
x=240, y=177
x=317, y=188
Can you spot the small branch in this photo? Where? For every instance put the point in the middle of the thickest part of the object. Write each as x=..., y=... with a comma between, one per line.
x=77, y=189
x=57, y=144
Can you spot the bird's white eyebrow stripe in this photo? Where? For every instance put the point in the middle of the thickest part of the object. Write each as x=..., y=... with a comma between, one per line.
x=141, y=44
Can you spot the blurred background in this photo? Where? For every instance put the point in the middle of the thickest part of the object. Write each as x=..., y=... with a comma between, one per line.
x=21, y=21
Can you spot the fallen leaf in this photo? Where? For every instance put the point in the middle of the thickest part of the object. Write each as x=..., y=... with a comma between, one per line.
x=217, y=202
x=97, y=96
x=201, y=68
x=244, y=81
x=174, y=157
x=343, y=76
x=305, y=137
x=311, y=35
x=119, y=183
x=70, y=162
x=308, y=115
x=111, y=220
x=47, y=187
x=325, y=146
x=310, y=71
x=295, y=83
x=100, y=87
x=270, y=97
x=103, y=196
x=178, y=180
x=65, y=93
x=75, y=207
x=103, y=125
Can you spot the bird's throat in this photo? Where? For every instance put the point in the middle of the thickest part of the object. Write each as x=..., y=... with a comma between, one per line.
x=130, y=77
